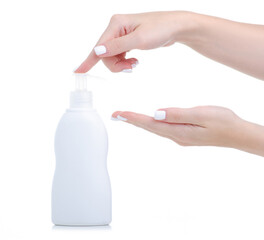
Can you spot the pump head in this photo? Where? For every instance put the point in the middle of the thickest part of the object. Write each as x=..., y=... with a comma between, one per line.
x=80, y=81
x=81, y=98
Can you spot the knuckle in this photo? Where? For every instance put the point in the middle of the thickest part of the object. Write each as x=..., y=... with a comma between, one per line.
x=202, y=113
x=177, y=116
x=116, y=18
x=174, y=114
x=113, y=46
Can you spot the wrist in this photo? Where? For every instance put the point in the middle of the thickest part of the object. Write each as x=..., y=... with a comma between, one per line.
x=188, y=28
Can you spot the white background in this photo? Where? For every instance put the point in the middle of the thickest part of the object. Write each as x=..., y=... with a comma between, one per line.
x=160, y=190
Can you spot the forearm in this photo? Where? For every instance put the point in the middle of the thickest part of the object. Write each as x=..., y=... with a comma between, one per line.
x=249, y=137
x=238, y=45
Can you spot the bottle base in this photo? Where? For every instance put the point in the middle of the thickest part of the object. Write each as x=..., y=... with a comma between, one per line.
x=82, y=225
x=85, y=224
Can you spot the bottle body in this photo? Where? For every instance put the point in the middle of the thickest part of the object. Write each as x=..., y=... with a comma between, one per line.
x=81, y=191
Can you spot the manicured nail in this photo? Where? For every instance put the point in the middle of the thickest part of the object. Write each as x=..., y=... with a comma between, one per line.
x=121, y=118
x=114, y=119
x=160, y=115
x=134, y=64
x=127, y=70
x=99, y=50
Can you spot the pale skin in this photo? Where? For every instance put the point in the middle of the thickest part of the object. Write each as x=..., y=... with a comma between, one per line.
x=238, y=45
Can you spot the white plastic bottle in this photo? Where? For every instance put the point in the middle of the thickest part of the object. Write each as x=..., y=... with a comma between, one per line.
x=81, y=191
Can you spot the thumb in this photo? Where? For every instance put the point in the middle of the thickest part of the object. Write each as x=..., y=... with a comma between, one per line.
x=116, y=46
x=178, y=115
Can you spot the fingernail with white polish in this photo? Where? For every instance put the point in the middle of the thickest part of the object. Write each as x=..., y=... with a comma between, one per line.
x=134, y=64
x=114, y=119
x=99, y=50
x=121, y=118
x=127, y=70
x=160, y=115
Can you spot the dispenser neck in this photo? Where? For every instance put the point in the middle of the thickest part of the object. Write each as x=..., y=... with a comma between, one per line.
x=81, y=99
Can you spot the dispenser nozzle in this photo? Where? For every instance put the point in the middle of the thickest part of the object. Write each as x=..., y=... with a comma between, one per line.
x=80, y=81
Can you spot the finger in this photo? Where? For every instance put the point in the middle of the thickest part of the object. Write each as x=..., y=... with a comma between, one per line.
x=89, y=62
x=116, y=46
x=133, y=61
x=117, y=64
x=178, y=115
x=145, y=122
x=92, y=58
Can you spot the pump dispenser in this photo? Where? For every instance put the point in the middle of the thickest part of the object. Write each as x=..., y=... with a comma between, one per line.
x=81, y=98
x=81, y=191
